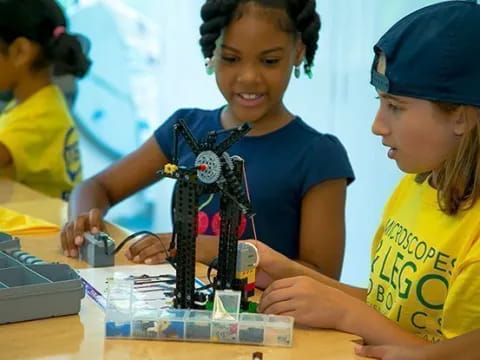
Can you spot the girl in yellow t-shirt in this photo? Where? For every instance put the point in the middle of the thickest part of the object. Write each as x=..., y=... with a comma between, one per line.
x=38, y=140
x=424, y=283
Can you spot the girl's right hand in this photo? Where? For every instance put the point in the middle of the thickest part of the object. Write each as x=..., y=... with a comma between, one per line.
x=272, y=265
x=72, y=232
x=310, y=302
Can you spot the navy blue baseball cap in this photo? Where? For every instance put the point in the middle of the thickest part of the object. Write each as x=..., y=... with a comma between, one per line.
x=432, y=54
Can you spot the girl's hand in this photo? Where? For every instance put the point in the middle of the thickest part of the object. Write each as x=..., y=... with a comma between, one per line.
x=272, y=265
x=390, y=352
x=149, y=250
x=310, y=302
x=72, y=232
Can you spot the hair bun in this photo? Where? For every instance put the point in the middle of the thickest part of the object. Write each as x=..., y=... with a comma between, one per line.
x=69, y=53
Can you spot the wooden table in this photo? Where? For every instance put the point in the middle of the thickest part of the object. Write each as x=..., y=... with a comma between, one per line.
x=82, y=336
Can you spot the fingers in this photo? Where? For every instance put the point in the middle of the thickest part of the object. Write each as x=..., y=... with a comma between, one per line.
x=277, y=300
x=261, y=247
x=158, y=258
x=376, y=352
x=79, y=227
x=280, y=307
x=63, y=239
x=128, y=254
x=280, y=284
x=148, y=250
x=139, y=245
x=263, y=250
x=155, y=250
x=95, y=221
x=72, y=233
x=67, y=240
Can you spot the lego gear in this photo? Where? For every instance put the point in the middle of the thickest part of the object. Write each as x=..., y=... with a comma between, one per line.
x=214, y=167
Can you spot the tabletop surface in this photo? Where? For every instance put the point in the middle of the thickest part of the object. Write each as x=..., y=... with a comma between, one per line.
x=82, y=336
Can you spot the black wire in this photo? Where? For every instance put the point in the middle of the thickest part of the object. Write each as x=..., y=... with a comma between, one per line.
x=205, y=287
x=213, y=265
x=172, y=241
x=105, y=244
x=144, y=232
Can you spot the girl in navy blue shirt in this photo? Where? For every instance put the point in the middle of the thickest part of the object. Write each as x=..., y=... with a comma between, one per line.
x=297, y=176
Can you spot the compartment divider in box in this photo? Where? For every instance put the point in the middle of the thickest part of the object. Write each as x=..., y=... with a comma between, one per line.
x=32, y=289
x=21, y=276
x=54, y=272
x=36, y=291
x=6, y=261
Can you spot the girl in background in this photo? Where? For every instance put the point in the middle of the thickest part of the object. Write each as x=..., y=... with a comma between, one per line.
x=38, y=140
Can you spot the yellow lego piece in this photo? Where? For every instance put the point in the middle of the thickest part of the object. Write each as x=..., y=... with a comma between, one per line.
x=249, y=274
x=170, y=169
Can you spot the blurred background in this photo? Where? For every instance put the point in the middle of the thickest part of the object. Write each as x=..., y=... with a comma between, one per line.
x=147, y=63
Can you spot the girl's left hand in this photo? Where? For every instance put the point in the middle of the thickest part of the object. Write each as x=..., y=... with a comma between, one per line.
x=310, y=302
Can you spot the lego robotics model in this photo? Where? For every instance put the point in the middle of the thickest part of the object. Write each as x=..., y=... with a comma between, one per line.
x=214, y=171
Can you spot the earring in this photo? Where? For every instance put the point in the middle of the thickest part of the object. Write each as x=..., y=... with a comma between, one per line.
x=308, y=70
x=209, y=62
x=296, y=72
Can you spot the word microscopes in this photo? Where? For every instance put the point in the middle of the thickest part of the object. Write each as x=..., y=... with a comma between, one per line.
x=214, y=171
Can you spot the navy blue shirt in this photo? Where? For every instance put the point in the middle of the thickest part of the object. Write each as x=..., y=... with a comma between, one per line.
x=280, y=168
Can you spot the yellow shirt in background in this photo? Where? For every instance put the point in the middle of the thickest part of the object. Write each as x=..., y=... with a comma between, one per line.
x=42, y=140
x=425, y=269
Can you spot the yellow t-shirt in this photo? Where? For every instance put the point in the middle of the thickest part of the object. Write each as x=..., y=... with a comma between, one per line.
x=42, y=140
x=425, y=269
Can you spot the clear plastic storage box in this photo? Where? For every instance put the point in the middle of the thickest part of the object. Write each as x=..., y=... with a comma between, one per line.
x=128, y=317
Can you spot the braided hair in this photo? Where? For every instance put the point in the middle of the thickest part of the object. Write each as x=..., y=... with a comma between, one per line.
x=43, y=22
x=302, y=19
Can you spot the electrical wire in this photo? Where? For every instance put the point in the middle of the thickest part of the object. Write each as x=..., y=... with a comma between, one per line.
x=205, y=287
x=198, y=303
x=213, y=265
x=208, y=201
x=249, y=200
